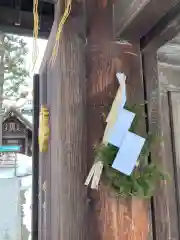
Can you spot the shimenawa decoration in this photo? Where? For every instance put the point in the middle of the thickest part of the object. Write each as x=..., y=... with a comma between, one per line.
x=122, y=156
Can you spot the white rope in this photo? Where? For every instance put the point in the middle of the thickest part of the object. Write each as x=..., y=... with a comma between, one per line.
x=94, y=175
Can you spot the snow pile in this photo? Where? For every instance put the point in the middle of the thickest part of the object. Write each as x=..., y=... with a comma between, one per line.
x=23, y=167
x=27, y=210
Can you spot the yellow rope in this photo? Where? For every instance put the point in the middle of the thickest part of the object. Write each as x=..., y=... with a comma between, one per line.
x=44, y=129
x=68, y=5
x=35, y=32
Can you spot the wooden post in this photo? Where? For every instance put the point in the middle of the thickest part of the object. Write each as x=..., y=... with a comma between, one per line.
x=66, y=80
x=113, y=218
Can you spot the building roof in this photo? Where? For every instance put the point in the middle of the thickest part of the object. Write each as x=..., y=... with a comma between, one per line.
x=28, y=117
x=12, y=111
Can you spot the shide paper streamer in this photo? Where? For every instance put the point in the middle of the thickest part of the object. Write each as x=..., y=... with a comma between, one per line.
x=117, y=133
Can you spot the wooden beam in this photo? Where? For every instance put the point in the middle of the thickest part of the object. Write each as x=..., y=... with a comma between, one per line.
x=137, y=18
x=25, y=25
x=167, y=28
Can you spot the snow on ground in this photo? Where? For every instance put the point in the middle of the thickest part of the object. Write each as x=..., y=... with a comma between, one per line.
x=26, y=182
x=23, y=167
x=27, y=210
x=24, y=172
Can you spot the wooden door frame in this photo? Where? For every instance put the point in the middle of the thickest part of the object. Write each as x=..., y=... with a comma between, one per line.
x=165, y=204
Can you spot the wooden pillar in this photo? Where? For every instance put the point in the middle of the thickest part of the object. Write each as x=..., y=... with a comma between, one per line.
x=111, y=218
x=67, y=103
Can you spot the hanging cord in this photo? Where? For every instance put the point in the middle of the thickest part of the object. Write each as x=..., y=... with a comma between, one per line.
x=35, y=33
x=68, y=6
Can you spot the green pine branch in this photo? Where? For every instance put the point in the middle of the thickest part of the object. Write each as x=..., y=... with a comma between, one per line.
x=146, y=175
x=14, y=51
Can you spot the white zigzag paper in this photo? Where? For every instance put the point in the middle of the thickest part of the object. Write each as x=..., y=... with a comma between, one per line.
x=128, y=153
x=117, y=106
x=118, y=131
x=118, y=123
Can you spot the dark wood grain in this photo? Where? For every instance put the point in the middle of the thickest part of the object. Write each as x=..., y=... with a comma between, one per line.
x=164, y=201
x=68, y=195
x=139, y=16
x=81, y=86
x=105, y=57
x=35, y=160
x=168, y=54
x=115, y=215
x=166, y=29
x=67, y=150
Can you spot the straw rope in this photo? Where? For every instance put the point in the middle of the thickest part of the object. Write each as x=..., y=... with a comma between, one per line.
x=68, y=6
x=35, y=33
